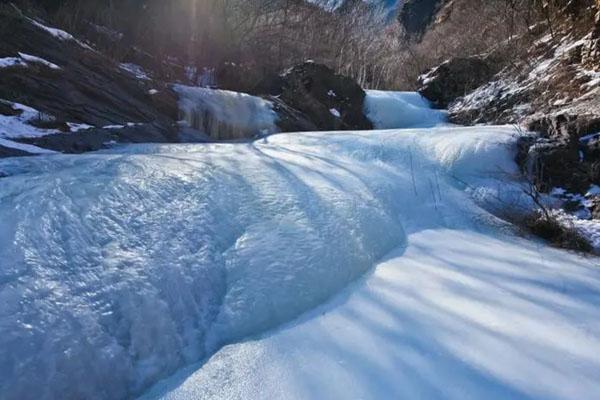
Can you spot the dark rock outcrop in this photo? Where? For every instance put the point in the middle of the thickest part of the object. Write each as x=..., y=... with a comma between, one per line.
x=416, y=15
x=563, y=155
x=10, y=152
x=329, y=100
x=97, y=139
x=455, y=78
x=85, y=87
x=290, y=119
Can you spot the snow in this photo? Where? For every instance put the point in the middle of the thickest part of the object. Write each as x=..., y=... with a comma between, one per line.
x=135, y=70
x=57, y=33
x=593, y=191
x=24, y=147
x=23, y=60
x=37, y=60
x=76, y=127
x=335, y=113
x=11, y=62
x=389, y=110
x=590, y=137
x=223, y=114
x=17, y=126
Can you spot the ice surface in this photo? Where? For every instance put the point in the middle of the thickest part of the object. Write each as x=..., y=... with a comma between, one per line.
x=172, y=251
x=393, y=110
x=222, y=114
x=456, y=314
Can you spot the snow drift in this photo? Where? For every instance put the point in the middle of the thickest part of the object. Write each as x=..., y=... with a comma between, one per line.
x=225, y=115
x=111, y=283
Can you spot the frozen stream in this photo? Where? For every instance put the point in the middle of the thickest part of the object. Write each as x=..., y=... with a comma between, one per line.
x=119, y=268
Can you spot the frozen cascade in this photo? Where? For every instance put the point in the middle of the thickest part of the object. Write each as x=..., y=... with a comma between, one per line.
x=225, y=115
x=109, y=284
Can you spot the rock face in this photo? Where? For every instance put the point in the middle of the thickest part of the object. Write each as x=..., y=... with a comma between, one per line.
x=565, y=155
x=71, y=82
x=328, y=100
x=455, y=78
x=290, y=119
x=416, y=15
x=552, y=89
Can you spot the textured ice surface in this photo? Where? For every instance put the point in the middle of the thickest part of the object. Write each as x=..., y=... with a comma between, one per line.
x=462, y=310
x=456, y=314
x=117, y=268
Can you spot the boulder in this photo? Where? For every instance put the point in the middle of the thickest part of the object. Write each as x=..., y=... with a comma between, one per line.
x=330, y=101
x=455, y=78
x=290, y=119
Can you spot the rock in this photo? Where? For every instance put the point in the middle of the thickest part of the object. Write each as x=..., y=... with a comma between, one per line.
x=87, y=88
x=556, y=164
x=10, y=152
x=97, y=139
x=559, y=157
x=565, y=126
x=455, y=78
x=330, y=101
x=242, y=78
x=290, y=119
x=595, y=207
x=415, y=16
x=594, y=172
x=591, y=52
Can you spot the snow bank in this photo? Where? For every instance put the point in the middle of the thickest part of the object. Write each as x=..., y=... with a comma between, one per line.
x=11, y=62
x=18, y=126
x=135, y=70
x=222, y=114
x=24, y=147
x=38, y=60
x=24, y=60
x=111, y=283
x=393, y=110
x=57, y=33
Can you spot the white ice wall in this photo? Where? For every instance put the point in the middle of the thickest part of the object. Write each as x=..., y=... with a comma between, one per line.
x=225, y=115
